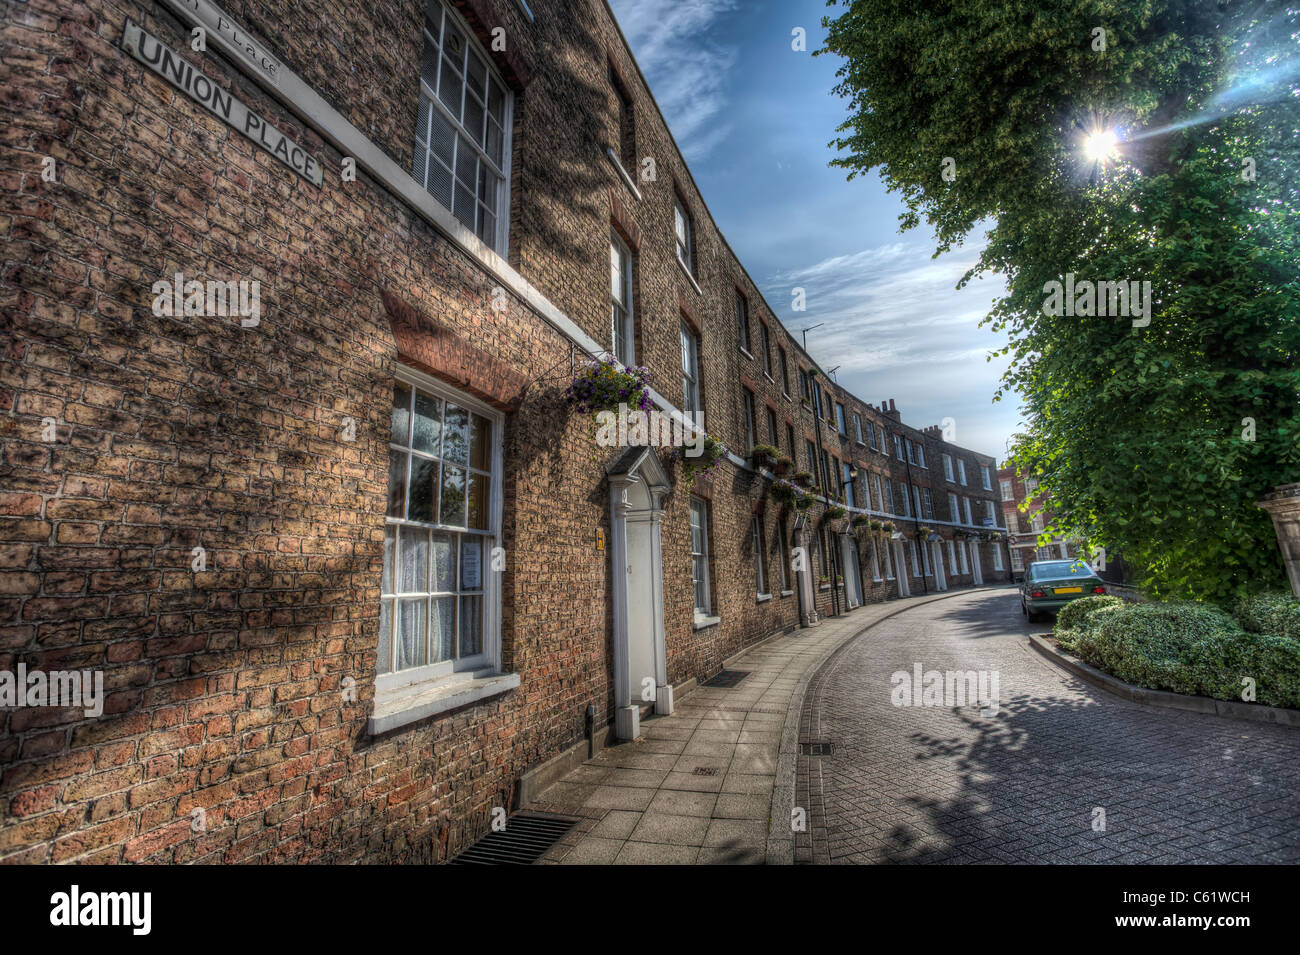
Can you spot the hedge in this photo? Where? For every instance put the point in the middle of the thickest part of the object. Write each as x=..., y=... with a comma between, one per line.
x=1079, y=614
x=1185, y=648
x=1276, y=614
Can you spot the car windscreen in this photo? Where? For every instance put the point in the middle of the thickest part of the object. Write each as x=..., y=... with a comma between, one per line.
x=1060, y=568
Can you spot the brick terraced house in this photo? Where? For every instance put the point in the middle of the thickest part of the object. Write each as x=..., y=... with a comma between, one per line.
x=1025, y=522
x=291, y=307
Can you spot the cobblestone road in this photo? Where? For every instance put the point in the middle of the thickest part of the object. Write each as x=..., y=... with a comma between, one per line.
x=946, y=784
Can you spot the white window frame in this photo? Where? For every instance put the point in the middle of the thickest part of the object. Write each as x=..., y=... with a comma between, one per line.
x=954, y=513
x=840, y=421
x=888, y=500
x=965, y=562
x=889, y=563
x=690, y=376
x=875, y=562
x=618, y=247
x=912, y=549
x=702, y=556
x=952, y=556
x=1017, y=559
x=501, y=241
x=986, y=477
x=880, y=499
x=947, y=467
x=489, y=660
x=898, y=447
x=747, y=413
x=684, y=233
x=760, y=569
x=961, y=471
x=782, y=549
x=1008, y=491
x=969, y=520
x=997, y=557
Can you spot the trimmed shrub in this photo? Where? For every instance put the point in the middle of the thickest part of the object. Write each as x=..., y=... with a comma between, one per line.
x=1188, y=648
x=1276, y=614
x=1079, y=614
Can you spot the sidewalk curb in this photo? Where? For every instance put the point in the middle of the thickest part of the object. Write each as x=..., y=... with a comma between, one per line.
x=1164, y=699
x=780, y=839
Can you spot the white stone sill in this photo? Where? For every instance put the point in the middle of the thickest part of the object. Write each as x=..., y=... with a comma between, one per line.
x=691, y=278
x=404, y=705
x=703, y=623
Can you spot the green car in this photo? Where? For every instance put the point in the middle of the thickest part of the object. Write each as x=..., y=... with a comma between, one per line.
x=1051, y=584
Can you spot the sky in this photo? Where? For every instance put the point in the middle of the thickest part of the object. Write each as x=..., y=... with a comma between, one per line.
x=754, y=119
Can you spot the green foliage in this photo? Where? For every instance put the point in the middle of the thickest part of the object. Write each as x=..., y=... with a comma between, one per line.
x=1277, y=614
x=1079, y=615
x=1186, y=648
x=1137, y=434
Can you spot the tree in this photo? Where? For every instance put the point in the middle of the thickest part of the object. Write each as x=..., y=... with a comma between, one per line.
x=1154, y=440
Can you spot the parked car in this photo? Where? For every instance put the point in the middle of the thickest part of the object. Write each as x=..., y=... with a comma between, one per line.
x=1051, y=584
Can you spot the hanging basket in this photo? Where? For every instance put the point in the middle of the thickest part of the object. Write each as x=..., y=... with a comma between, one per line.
x=712, y=453
x=603, y=385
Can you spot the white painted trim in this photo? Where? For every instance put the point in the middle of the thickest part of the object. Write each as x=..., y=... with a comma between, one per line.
x=613, y=157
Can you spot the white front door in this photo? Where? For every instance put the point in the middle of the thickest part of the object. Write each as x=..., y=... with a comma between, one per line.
x=852, y=579
x=640, y=657
x=901, y=570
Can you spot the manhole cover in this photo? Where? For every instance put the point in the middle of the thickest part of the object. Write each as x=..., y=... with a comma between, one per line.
x=817, y=749
x=726, y=678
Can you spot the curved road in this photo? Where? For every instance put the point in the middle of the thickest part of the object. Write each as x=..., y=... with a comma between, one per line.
x=1064, y=772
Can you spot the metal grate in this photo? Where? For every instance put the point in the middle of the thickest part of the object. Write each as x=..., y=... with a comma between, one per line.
x=706, y=770
x=726, y=678
x=526, y=837
x=817, y=749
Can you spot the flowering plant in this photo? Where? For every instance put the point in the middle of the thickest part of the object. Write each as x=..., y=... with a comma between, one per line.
x=603, y=386
x=712, y=451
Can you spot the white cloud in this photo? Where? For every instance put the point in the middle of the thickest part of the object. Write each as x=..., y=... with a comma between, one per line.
x=686, y=68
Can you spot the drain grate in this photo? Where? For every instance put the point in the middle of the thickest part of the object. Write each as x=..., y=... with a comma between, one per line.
x=706, y=770
x=726, y=678
x=526, y=837
x=817, y=749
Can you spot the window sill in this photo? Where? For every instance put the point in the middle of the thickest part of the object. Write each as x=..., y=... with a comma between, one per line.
x=764, y=598
x=405, y=705
x=787, y=593
x=786, y=396
x=745, y=351
x=618, y=164
x=691, y=278
x=703, y=623
x=769, y=378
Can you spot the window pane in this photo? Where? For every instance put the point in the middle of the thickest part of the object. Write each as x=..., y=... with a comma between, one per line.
x=428, y=412
x=455, y=436
x=443, y=613
x=464, y=208
x=477, y=70
x=471, y=563
x=444, y=563
x=424, y=489
x=471, y=626
x=496, y=102
x=442, y=137
x=385, y=664
x=450, y=89
x=474, y=119
x=478, y=508
x=480, y=444
x=429, y=65
x=451, y=509
x=401, y=415
x=414, y=562
x=396, y=483
x=495, y=139
x=411, y=631
x=390, y=541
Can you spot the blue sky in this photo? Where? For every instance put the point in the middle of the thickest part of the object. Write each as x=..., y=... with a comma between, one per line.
x=753, y=118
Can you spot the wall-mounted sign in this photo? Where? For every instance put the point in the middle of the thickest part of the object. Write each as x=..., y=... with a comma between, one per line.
x=180, y=73
x=237, y=40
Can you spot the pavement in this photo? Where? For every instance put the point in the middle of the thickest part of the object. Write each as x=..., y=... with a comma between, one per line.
x=699, y=786
x=1063, y=773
